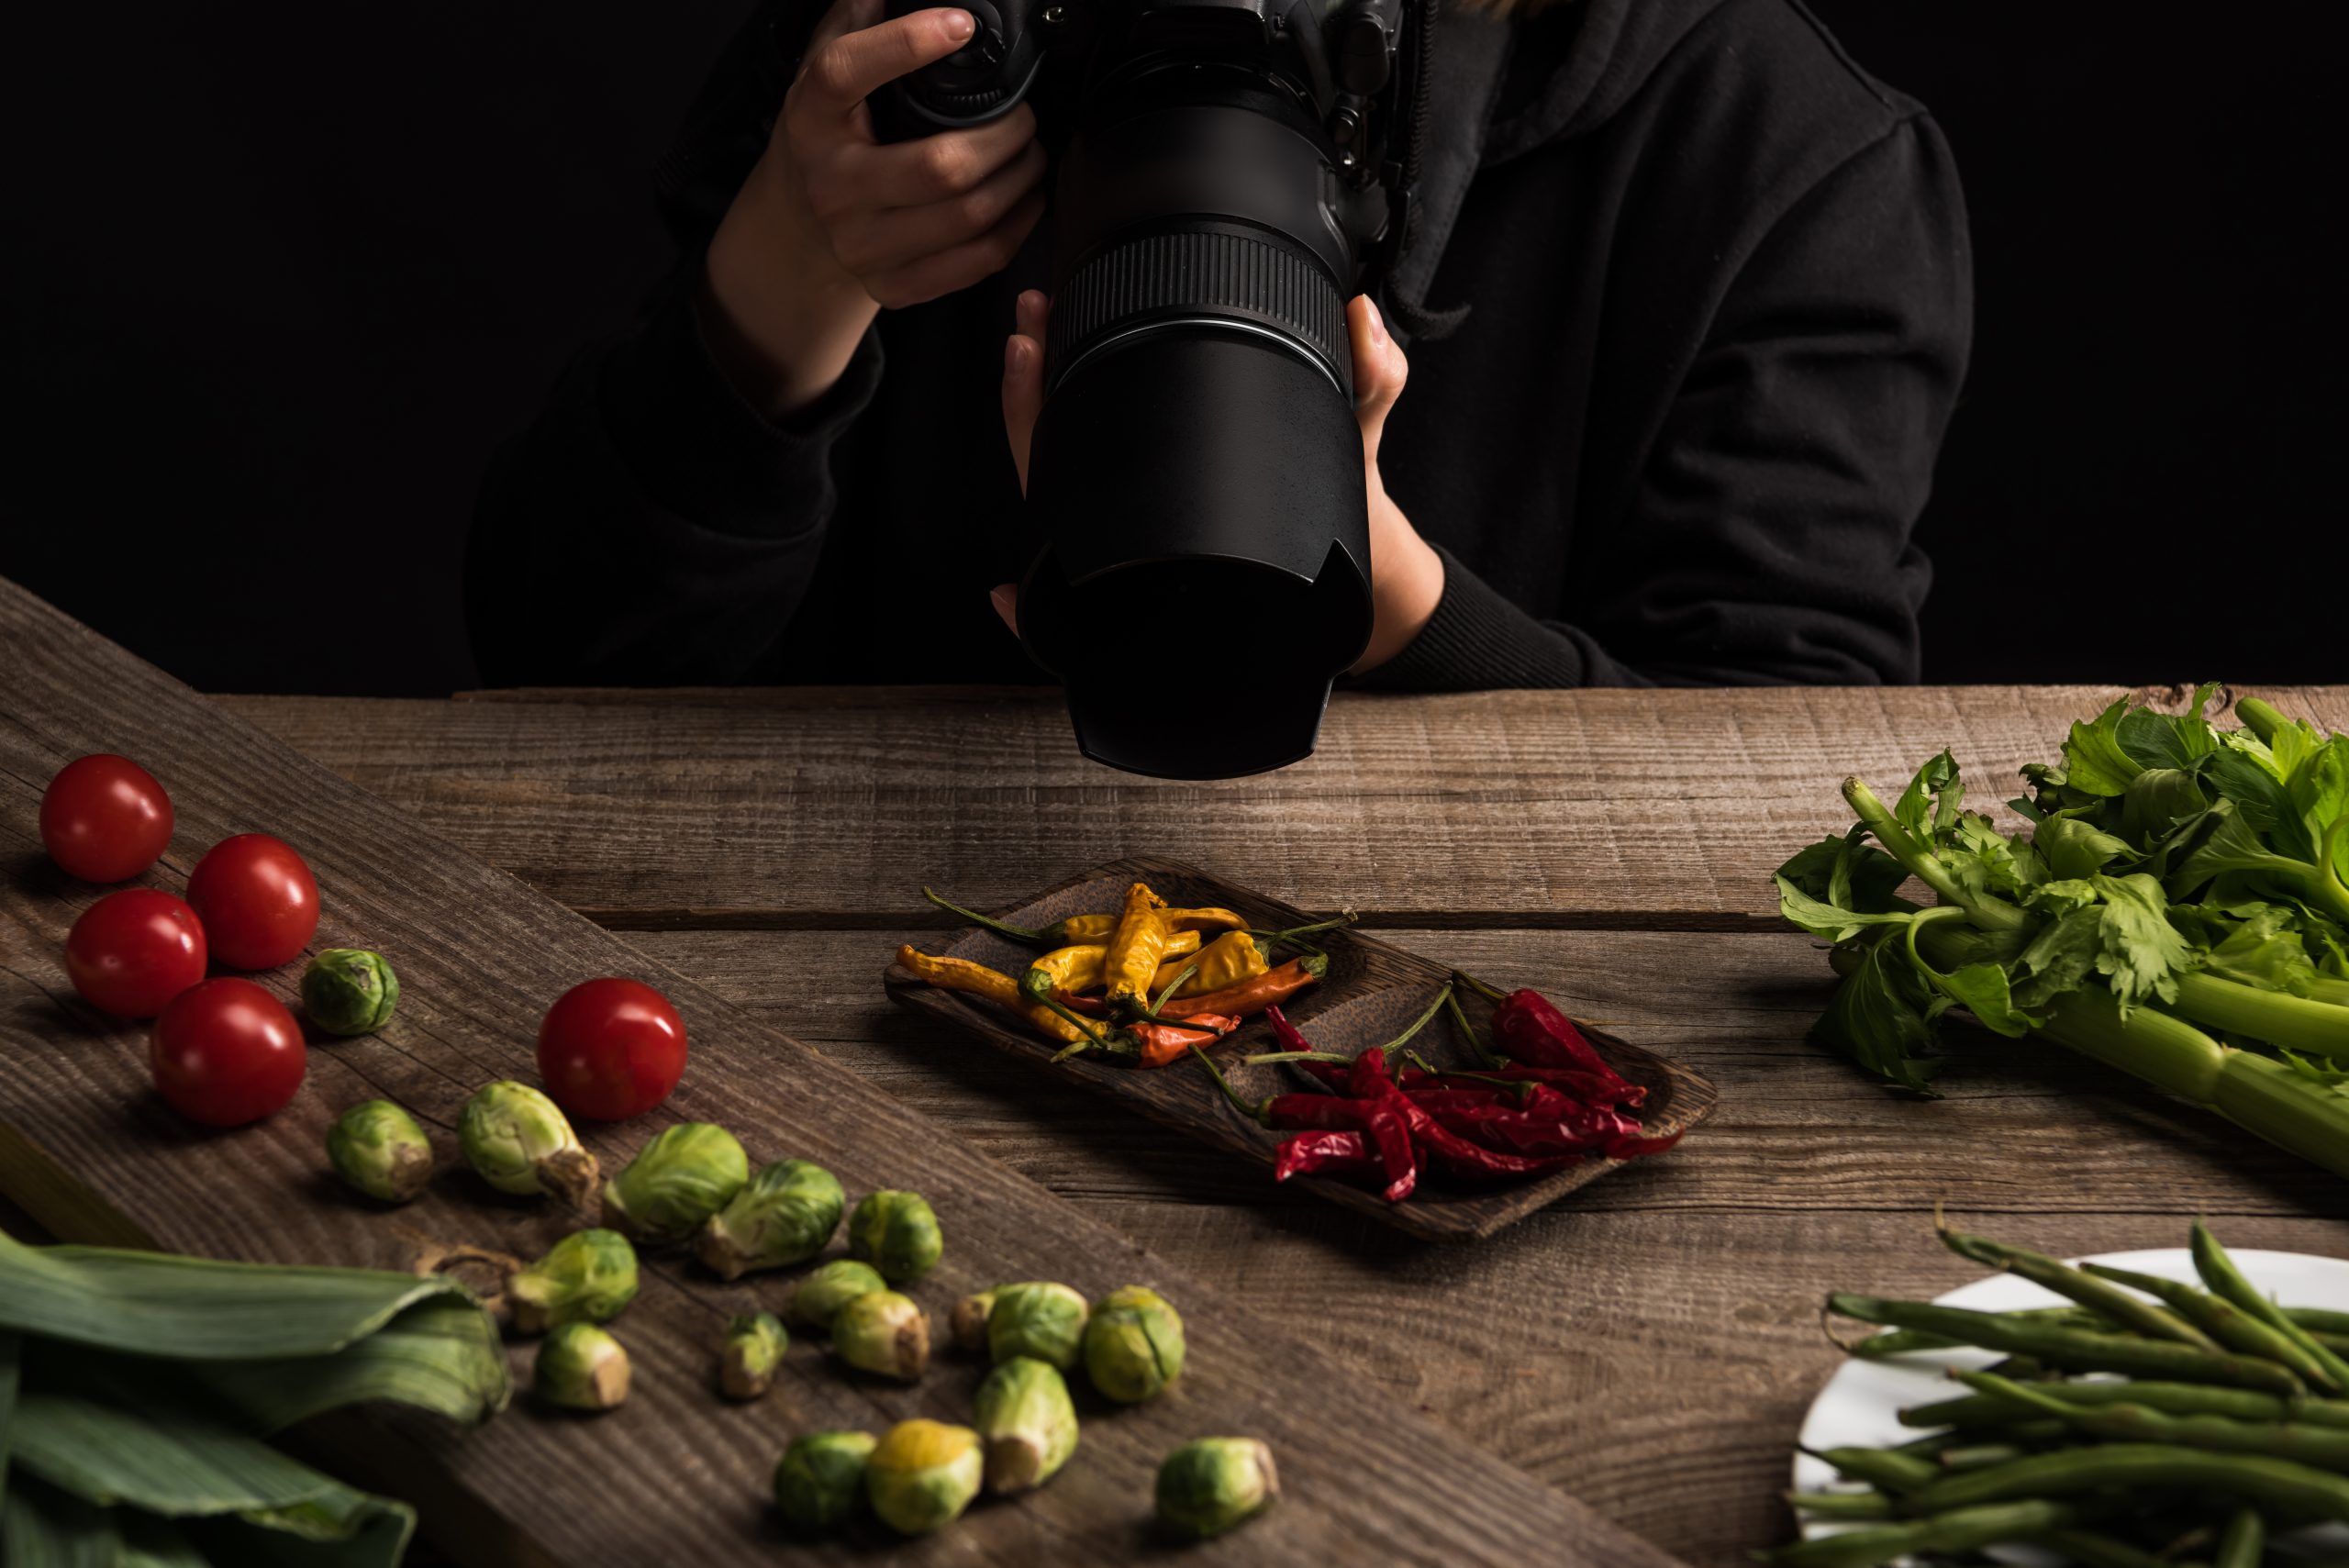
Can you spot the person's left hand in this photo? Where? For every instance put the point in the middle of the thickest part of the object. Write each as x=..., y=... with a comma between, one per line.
x=1406, y=573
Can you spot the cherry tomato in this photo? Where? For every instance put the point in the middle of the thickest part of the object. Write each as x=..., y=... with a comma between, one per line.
x=226, y=1052
x=104, y=818
x=133, y=951
x=611, y=1049
x=258, y=901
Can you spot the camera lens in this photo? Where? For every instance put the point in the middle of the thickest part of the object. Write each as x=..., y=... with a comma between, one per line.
x=1196, y=467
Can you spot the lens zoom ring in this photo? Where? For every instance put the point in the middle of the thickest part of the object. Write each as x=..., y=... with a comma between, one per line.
x=1204, y=274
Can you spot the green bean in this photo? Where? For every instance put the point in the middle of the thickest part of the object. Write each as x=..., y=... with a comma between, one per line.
x=1961, y=1529
x=1887, y=1469
x=2323, y=1448
x=1981, y=1456
x=2079, y=1349
x=2277, y=1483
x=1908, y=1342
x=2225, y=1279
x=2020, y=1430
x=1841, y=1505
x=2175, y=1398
x=2245, y=1543
x=2101, y=1296
x=2234, y=1327
x=2093, y=1549
x=2320, y=1320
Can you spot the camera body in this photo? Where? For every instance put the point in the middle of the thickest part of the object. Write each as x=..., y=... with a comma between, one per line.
x=1227, y=174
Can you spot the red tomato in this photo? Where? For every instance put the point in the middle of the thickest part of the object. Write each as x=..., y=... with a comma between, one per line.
x=611, y=1049
x=133, y=951
x=226, y=1052
x=259, y=902
x=104, y=818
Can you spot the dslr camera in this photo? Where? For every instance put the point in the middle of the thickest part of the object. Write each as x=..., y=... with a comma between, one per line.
x=1227, y=174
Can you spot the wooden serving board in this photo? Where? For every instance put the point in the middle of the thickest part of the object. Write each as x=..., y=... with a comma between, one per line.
x=1372, y=993
x=676, y=1475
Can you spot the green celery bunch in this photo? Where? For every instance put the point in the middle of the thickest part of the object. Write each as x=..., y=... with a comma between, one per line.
x=2176, y=905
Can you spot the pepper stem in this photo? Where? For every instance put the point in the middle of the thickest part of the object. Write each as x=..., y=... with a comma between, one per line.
x=1254, y=1112
x=1418, y=1023
x=1522, y=1088
x=1467, y=1029
x=1017, y=933
x=1150, y=1008
x=1462, y=977
x=1271, y=1056
x=1267, y=940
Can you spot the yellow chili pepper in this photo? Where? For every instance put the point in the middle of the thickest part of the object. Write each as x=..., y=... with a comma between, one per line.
x=1136, y=946
x=1227, y=961
x=978, y=980
x=1082, y=929
x=1076, y=969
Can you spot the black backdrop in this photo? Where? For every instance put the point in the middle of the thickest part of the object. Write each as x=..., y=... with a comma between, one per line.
x=280, y=277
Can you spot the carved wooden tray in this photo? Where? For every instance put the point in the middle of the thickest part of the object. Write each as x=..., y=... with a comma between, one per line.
x=1371, y=993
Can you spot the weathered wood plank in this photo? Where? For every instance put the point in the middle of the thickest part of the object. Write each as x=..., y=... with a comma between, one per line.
x=1607, y=808
x=675, y=1476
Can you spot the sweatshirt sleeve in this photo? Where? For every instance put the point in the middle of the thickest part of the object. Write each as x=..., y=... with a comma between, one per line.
x=652, y=527
x=1767, y=539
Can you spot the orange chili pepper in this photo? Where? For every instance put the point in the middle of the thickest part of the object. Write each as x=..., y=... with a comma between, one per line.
x=1250, y=997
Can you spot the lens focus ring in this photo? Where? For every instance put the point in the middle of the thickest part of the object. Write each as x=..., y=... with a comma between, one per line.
x=1196, y=273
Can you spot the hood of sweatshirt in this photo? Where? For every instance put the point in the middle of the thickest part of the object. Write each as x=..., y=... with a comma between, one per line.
x=1502, y=89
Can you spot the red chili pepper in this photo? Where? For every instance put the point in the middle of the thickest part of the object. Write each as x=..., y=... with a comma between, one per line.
x=1327, y=1073
x=1326, y=1154
x=1287, y=1113
x=1397, y=1161
x=1456, y=1156
x=1093, y=1006
x=1530, y=1030
x=1586, y=1087
x=1460, y=1099
x=1579, y=1132
x=1367, y=1078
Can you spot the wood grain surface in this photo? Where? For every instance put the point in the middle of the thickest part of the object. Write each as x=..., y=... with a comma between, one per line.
x=676, y=1475
x=1648, y=1346
x=1370, y=996
x=1612, y=809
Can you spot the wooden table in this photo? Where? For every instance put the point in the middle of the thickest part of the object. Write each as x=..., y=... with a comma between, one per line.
x=1649, y=1345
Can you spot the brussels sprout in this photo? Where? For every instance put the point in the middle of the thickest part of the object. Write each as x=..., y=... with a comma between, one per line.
x=1133, y=1345
x=581, y=1368
x=883, y=1332
x=922, y=1474
x=1023, y=1415
x=519, y=1140
x=754, y=1345
x=675, y=1183
x=378, y=1148
x=1209, y=1485
x=350, y=991
x=785, y=1214
x=828, y=1288
x=967, y=1323
x=896, y=1233
x=586, y=1277
x=820, y=1479
x=1037, y=1318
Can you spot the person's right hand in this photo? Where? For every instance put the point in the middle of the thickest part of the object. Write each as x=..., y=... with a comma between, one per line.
x=833, y=224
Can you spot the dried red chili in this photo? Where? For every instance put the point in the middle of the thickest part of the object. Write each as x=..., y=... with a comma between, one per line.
x=1530, y=1030
x=1326, y=1154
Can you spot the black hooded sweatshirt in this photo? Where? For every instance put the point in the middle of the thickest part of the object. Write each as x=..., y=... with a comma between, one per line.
x=1719, y=303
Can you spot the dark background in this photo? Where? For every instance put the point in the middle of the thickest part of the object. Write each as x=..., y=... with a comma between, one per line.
x=279, y=278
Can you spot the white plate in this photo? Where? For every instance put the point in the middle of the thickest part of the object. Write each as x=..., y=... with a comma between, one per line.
x=1859, y=1407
